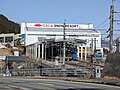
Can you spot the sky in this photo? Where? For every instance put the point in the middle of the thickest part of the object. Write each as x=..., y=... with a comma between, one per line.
x=96, y=12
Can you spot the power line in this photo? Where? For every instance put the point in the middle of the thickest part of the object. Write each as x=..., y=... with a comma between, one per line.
x=103, y=22
x=107, y=29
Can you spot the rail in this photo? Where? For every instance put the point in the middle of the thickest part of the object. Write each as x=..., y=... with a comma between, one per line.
x=54, y=72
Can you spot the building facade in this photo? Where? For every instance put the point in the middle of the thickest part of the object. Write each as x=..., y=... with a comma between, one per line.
x=84, y=36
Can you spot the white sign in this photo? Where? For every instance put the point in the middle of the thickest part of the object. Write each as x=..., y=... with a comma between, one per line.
x=67, y=26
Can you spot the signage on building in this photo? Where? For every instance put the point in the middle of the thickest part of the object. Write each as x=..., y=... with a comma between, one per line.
x=67, y=26
x=56, y=25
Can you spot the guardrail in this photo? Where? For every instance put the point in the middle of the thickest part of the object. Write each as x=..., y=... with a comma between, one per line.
x=53, y=72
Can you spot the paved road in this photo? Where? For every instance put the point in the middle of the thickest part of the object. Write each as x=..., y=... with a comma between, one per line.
x=47, y=84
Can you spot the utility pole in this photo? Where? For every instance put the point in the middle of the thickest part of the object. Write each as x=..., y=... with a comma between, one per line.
x=91, y=51
x=111, y=27
x=94, y=49
x=64, y=43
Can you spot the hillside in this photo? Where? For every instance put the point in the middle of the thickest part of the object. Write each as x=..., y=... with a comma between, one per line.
x=112, y=66
x=7, y=26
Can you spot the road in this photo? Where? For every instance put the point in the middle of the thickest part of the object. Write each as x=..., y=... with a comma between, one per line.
x=48, y=84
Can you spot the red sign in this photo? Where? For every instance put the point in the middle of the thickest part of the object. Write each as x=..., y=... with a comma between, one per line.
x=38, y=25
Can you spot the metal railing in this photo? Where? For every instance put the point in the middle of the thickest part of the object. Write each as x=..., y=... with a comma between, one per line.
x=54, y=72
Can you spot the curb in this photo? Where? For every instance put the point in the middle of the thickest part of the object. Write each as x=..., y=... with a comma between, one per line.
x=97, y=81
x=73, y=79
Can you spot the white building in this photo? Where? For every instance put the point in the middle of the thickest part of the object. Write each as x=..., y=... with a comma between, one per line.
x=31, y=32
x=118, y=44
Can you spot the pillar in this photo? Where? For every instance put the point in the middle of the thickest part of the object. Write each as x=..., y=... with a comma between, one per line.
x=81, y=53
x=13, y=40
x=45, y=50
x=39, y=51
x=4, y=40
x=42, y=50
x=78, y=52
x=32, y=51
x=36, y=51
x=85, y=53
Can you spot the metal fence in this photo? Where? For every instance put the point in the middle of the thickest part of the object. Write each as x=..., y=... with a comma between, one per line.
x=53, y=72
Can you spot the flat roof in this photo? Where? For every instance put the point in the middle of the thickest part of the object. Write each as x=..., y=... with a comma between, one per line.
x=61, y=30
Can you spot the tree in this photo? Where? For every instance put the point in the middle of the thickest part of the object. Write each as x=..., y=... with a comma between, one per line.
x=7, y=26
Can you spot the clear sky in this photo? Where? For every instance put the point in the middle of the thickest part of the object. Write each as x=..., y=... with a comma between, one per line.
x=55, y=11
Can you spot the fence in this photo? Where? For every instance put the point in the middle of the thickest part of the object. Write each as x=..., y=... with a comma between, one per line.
x=54, y=72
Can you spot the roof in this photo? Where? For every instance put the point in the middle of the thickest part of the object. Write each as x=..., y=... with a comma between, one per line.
x=17, y=58
x=61, y=30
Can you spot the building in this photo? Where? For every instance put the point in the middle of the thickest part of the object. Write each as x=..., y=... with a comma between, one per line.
x=84, y=36
x=9, y=39
x=118, y=44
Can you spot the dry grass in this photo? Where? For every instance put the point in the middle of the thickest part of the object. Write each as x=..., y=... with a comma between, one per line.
x=110, y=78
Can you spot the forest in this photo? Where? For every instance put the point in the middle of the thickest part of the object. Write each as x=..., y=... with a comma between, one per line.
x=8, y=26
